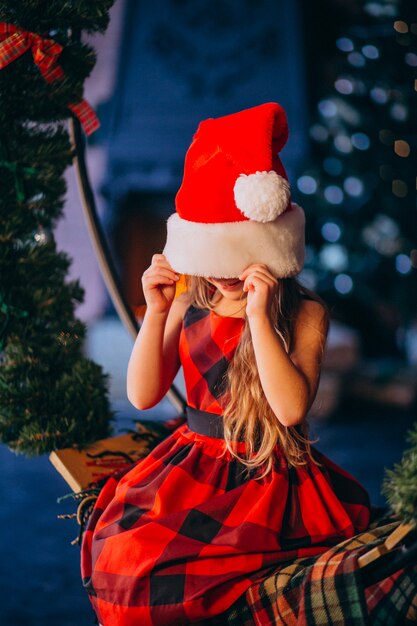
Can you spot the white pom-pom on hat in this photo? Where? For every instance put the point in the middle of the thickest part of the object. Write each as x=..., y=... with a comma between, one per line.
x=262, y=196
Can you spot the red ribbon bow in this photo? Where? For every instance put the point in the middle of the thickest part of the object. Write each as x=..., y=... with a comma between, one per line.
x=15, y=41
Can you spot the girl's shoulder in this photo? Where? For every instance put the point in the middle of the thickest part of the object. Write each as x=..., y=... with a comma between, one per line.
x=312, y=314
x=181, y=305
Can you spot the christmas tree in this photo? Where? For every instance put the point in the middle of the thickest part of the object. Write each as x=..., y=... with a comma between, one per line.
x=359, y=187
x=51, y=395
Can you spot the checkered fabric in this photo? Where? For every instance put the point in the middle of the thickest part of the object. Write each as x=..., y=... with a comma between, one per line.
x=328, y=590
x=15, y=41
x=182, y=535
x=207, y=344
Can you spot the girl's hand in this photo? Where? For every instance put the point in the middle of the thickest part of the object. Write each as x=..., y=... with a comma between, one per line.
x=260, y=285
x=158, y=283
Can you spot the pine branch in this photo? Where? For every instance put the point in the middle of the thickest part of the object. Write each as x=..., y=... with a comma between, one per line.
x=51, y=396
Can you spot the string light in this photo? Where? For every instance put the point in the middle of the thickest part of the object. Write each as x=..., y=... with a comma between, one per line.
x=371, y=52
x=379, y=95
x=361, y=141
x=331, y=232
x=353, y=186
x=403, y=263
x=411, y=59
x=344, y=44
x=343, y=283
x=333, y=194
x=400, y=26
x=334, y=257
x=386, y=137
x=319, y=133
x=343, y=143
x=399, y=188
x=327, y=108
x=344, y=86
x=356, y=59
x=307, y=185
x=402, y=148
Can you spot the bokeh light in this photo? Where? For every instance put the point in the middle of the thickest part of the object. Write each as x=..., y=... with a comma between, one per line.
x=353, y=186
x=344, y=86
x=334, y=257
x=333, y=194
x=361, y=141
x=403, y=263
x=345, y=44
x=331, y=231
x=343, y=283
x=343, y=143
x=307, y=184
x=371, y=52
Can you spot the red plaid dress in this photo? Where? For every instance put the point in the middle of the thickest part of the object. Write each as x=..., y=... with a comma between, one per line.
x=178, y=538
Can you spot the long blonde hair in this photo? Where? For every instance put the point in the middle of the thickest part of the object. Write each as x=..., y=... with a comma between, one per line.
x=247, y=415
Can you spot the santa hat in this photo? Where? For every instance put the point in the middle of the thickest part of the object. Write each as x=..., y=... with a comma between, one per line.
x=234, y=205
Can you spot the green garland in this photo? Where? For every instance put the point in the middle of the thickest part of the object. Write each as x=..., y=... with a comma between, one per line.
x=51, y=396
x=400, y=483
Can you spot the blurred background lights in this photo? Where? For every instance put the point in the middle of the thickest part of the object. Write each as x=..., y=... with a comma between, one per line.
x=376, y=9
x=343, y=143
x=331, y=231
x=411, y=59
x=353, y=186
x=343, y=283
x=386, y=172
x=402, y=148
x=307, y=184
x=344, y=44
x=379, y=95
x=333, y=194
x=386, y=137
x=382, y=234
x=310, y=254
x=399, y=112
x=308, y=278
x=413, y=258
x=356, y=59
x=344, y=86
x=371, y=52
x=400, y=26
x=327, y=108
x=403, y=263
x=360, y=141
x=399, y=188
x=334, y=257
x=319, y=133
x=332, y=166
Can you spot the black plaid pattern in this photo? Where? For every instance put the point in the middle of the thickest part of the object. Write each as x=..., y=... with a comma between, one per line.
x=200, y=527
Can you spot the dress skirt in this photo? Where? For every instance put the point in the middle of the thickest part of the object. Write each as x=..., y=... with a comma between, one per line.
x=178, y=538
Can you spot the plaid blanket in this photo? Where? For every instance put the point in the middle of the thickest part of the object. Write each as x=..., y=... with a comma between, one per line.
x=328, y=590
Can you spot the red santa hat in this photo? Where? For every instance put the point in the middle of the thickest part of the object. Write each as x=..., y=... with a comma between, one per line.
x=234, y=205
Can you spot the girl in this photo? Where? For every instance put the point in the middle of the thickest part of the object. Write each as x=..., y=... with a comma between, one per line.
x=238, y=488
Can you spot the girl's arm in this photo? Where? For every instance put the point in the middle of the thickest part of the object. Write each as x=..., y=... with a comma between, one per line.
x=154, y=361
x=289, y=382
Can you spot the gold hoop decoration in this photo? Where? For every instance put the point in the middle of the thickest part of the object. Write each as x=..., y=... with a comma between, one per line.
x=101, y=249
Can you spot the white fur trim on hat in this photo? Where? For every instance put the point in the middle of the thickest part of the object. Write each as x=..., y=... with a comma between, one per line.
x=262, y=196
x=224, y=250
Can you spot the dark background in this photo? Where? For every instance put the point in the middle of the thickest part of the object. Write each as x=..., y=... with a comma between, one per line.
x=161, y=93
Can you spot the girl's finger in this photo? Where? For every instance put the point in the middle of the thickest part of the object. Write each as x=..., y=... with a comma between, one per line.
x=152, y=271
x=272, y=282
x=161, y=261
x=263, y=269
x=159, y=278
